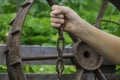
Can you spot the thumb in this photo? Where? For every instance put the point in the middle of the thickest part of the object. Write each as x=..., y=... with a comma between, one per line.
x=62, y=9
x=66, y=11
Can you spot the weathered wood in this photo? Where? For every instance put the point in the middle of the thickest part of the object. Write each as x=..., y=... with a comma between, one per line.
x=36, y=51
x=64, y=77
x=13, y=57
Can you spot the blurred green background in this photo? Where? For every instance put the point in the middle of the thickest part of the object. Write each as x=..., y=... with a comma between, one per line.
x=37, y=29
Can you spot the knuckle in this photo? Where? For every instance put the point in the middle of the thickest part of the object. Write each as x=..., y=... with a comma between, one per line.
x=61, y=16
x=52, y=14
x=55, y=25
x=54, y=7
x=57, y=20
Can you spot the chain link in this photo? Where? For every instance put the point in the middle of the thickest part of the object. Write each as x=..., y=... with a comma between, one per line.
x=60, y=49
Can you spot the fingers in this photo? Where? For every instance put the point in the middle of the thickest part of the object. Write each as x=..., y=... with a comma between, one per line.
x=57, y=22
x=57, y=18
x=55, y=25
x=60, y=9
x=54, y=15
x=55, y=12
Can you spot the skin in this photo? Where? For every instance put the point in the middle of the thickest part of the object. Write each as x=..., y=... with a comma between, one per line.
x=105, y=44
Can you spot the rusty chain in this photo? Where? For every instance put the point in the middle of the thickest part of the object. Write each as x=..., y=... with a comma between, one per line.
x=60, y=48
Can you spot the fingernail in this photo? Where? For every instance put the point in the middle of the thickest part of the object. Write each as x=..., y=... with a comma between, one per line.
x=56, y=12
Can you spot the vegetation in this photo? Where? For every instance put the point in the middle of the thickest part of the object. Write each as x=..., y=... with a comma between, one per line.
x=37, y=30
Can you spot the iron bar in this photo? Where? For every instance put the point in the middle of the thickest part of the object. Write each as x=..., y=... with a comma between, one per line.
x=101, y=13
x=47, y=57
x=100, y=75
x=50, y=2
x=79, y=74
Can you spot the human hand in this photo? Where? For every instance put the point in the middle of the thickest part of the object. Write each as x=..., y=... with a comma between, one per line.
x=64, y=15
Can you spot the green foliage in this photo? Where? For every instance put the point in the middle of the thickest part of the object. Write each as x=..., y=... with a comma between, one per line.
x=84, y=8
x=47, y=69
x=3, y=69
x=118, y=69
x=37, y=29
x=4, y=26
x=42, y=69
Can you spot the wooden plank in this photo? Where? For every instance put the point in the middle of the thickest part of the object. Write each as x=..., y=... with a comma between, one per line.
x=30, y=51
x=2, y=55
x=64, y=77
x=36, y=51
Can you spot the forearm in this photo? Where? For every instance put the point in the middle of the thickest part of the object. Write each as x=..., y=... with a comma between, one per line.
x=106, y=44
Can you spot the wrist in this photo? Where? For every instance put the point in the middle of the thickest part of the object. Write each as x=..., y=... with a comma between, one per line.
x=83, y=30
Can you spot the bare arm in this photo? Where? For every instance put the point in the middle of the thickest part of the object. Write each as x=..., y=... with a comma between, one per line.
x=106, y=44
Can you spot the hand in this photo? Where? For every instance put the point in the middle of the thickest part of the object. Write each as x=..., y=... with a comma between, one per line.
x=64, y=15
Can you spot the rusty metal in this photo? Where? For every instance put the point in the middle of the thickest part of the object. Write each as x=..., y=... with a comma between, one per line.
x=60, y=63
x=51, y=2
x=89, y=60
x=60, y=48
x=101, y=13
x=87, y=57
x=100, y=75
x=79, y=74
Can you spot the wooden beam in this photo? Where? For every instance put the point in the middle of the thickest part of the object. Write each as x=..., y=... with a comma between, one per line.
x=37, y=51
x=64, y=77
